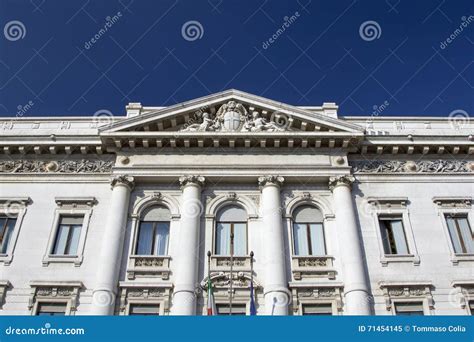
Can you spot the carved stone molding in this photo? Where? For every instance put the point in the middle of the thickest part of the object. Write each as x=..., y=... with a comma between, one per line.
x=60, y=166
x=420, y=166
x=123, y=180
x=55, y=291
x=148, y=266
x=308, y=267
x=141, y=293
x=240, y=280
x=346, y=180
x=270, y=180
x=191, y=179
x=406, y=291
x=463, y=292
x=314, y=294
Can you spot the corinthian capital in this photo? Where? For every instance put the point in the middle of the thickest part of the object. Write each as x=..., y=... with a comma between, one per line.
x=185, y=180
x=346, y=180
x=123, y=180
x=270, y=180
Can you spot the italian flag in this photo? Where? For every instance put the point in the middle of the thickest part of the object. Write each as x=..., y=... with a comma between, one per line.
x=211, y=305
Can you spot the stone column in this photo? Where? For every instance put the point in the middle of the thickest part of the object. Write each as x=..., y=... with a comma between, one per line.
x=276, y=291
x=356, y=293
x=184, y=296
x=108, y=263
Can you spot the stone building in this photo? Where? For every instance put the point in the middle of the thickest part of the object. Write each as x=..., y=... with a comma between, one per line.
x=344, y=215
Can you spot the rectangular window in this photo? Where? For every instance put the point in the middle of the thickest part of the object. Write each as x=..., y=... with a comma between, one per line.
x=144, y=309
x=153, y=238
x=309, y=239
x=224, y=243
x=409, y=309
x=237, y=309
x=461, y=234
x=7, y=224
x=68, y=234
x=393, y=235
x=317, y=309
x=51, y=309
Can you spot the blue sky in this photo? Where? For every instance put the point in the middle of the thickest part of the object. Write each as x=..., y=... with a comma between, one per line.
x=402, y=59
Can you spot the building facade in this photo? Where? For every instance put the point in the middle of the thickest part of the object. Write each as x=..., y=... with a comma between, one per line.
x=342, y=215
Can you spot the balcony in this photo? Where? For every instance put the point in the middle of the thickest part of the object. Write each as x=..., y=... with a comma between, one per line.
x=309, y=267
x=148, y=266
x=222, y=263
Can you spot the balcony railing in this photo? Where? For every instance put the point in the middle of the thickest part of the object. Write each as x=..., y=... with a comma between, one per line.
x=313, y=267
x=148, y=266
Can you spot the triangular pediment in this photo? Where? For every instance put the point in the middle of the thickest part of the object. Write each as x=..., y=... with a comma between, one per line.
x=231, y=111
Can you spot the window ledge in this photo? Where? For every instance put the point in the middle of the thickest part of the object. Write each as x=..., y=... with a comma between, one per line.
x=461, y=258
x=222, y=263
x=391, y=258
x=62, y=259
x=6, y=259
x=320, y=266
x=149, y=266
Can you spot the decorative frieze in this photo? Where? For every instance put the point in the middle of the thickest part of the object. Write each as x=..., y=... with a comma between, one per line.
x=420, y=166
x=148, y=266
x=67, y=292
x=59, y=166
x=222, y=263
x=144, y=294
x=307, y=267
x=407, y=291
x=303, y=294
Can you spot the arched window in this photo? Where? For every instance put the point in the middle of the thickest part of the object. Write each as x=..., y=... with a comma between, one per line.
x=308, y=231
x=153, y=231
x=231, y=223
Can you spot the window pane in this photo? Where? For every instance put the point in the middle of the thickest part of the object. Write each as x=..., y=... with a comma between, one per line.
x=51, y=309
x=161, y=238
x=6, y=229
x=409, y=309
x=145, y=238
x=384, y=229
x=450, y=221
x=237, y=309
x=240, y=239
x=466, y=234
x=223, y=238
x=317, y=239
x=399, y=237
x=317, y=309
x=300, y=237
x=471, y=307
x=61, y=240
x=144, y=309
x=74, y=235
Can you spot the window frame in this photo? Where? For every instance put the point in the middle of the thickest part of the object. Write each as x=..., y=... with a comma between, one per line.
x=240, y=303
x=137, y=238
x=39, y=302
x=292, y=231
x=231, y=232
x=393, y=218
x=424, y=308
x=69, y=207
x=454, y=206
x=17, y=207
x=455, y=217
x=332, y=303
x=393, y=207
x=158, y=303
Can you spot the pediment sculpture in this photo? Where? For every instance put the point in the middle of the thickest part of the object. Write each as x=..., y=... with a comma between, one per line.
x=233, y=117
